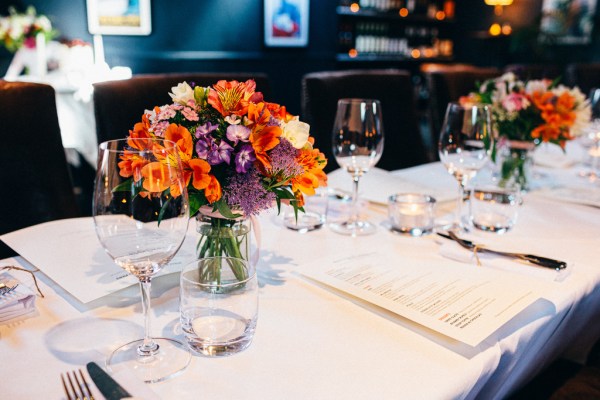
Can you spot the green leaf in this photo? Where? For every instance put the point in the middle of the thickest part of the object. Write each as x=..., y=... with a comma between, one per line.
x=124, y=186
x=164, y=207
x=225, y=211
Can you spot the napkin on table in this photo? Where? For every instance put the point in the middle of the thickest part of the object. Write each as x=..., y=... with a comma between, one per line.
x=18, y=303
x=454, y=251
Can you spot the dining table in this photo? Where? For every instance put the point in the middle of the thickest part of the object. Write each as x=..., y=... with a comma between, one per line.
x=315, y=341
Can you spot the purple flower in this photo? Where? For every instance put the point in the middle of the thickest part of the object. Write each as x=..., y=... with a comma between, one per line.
x=204, y=146
x=237, y=133
x=206, y=129
x=247, y=192
x=283, y=160
x=220, y=153
x=244, y=159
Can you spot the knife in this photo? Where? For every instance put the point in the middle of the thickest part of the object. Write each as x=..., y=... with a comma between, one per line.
x=533, y=259
x=109, y=388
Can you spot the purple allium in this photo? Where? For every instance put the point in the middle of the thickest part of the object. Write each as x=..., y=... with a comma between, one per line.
x=206, y=129
x=244, y=159
x=237, y=133
x=283, y=160
x=247, y=192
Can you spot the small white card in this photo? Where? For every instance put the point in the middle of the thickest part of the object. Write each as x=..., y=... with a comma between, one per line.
x=464, y=304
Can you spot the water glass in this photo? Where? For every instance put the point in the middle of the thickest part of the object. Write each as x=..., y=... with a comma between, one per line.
x=314, y=215
x=218, y=305
x=411, y=213
x=494, y=208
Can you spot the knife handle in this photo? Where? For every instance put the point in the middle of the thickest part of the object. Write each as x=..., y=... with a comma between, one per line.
x=545, y=262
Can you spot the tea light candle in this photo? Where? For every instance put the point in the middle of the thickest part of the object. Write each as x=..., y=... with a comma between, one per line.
x=411, y=213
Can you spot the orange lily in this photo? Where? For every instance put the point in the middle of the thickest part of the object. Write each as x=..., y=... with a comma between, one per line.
x=263, y=137
x=233, y=97
x=213, y=191
x=313, y=162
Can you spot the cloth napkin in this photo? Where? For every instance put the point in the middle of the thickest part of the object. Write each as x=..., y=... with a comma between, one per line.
x=454, y=251
x=18, y=303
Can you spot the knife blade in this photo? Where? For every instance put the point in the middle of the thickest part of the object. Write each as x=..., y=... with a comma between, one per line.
x=109, y=388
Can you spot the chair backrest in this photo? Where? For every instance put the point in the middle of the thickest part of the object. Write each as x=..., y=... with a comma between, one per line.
x=393, y=88
x=445, y=86
x=33, y=165
x=536, y=71
x=586, y=76
x=119, y=105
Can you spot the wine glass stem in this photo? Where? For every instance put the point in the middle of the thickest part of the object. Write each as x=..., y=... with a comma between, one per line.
x=354, y=214
x=459, y=203
x=148, y=347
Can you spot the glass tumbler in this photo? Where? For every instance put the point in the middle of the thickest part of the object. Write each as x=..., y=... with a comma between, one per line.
x=218, y=305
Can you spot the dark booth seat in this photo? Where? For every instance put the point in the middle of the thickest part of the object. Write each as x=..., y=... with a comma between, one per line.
x=119, y=105
x=393, y=88
x=584, y=75
x=33, y=168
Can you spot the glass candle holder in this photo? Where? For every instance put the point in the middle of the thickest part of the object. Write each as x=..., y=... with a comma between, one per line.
x=411, y=213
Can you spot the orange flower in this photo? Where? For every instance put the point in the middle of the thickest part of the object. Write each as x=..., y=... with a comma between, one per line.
x=157, y=177
x=233, y=97
x=263, y=137
x=200, y=170
x=313, y=162
x=131, y=164
x=140, y=131
x=213, y=190
x=180, y=135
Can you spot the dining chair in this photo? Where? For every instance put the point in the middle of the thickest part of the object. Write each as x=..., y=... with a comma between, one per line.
x=586, y=76
x=536, y=71
x=119, y=105
x=33, y=165
x=321, y=91
x=445, y=85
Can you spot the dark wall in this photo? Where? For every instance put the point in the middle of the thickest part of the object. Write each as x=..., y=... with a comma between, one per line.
x=209, y=35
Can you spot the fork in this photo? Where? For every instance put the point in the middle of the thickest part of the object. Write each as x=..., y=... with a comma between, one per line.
x=76, y=390
x=5, y=289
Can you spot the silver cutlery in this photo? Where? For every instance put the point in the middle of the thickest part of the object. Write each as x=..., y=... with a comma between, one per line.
x=74, y=388
x=109, y=388
x=531, y=258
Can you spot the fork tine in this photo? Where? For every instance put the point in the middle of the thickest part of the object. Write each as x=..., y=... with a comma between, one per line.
x=87, y=387
x=62, y=378
x=75, y=393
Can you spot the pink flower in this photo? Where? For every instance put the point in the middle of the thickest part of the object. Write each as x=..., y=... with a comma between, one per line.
x=189, y=114
x=515, y=102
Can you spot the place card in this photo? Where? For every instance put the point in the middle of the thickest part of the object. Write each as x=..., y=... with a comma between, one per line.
x=467, y=305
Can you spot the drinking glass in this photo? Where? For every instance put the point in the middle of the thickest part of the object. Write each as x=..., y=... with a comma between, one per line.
x=140, y=211
x=591, y=138
x=357, y=146
x=464, y=146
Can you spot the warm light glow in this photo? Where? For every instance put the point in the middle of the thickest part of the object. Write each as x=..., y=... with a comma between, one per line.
x=403, y=12
x=495, y=29
x=428, y=53
x=352, y=53
x=354, y=7
x=498, y=2
x=506, y=29
x=415, y=53
x=440, y=15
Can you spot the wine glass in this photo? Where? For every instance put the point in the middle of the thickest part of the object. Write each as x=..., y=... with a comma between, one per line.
x=140, y=211
x=357, y=146
x=464, y=146
x=591, y=138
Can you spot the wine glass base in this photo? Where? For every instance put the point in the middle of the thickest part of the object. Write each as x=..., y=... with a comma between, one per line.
x=591, y=176
x=171, y=358
x=356, y=228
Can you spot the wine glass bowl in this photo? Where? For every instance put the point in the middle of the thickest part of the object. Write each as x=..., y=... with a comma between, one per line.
x=464, y=145
x=591, y=138
x=357, y=146
x=140, y=212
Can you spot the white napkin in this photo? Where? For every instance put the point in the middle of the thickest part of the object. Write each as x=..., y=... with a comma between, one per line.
x=455, y=252
x=552, y=156
x=18, y=303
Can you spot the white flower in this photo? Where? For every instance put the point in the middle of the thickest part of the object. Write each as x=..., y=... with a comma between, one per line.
x=296, y=132
x=182, y=93
x=537, y=85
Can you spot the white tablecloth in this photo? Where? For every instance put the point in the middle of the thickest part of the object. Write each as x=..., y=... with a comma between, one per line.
x=313, y=342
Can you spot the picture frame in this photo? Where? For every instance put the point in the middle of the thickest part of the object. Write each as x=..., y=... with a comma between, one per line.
x=119, y=17
x=568, y=22
x=286, y=23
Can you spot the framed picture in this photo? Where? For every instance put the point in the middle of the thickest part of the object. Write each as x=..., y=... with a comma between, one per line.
x=286, y=23
x=119, y=17
x=568, y=21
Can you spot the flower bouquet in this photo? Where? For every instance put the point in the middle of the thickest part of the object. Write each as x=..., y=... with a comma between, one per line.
x=528, y=113
x=19, y=30
x=241, y=155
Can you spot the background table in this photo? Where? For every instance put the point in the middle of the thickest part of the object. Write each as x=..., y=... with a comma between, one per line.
x=314, y=342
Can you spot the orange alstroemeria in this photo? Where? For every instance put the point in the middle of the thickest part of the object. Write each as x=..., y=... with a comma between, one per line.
x=313, y=162
x=263, y=137
x=233, y=97
x=200, y=171
x=183, y=138
x=213, y=191
x=131, y=165
x=157, y=177
x=139, y=136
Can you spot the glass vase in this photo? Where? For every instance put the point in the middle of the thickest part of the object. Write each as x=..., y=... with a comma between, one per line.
x=222, y=237
x=515, y=161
